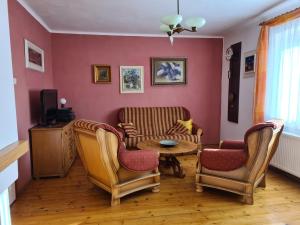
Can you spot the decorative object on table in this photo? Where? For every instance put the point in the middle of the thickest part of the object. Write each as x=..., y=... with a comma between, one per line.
x=234, y=83
x=62, y=101
x=249, y=63
x=172, y=24
x=168, y=143
x=102, y=74
x=168, y=71
x=131, y=79
x=34, y=57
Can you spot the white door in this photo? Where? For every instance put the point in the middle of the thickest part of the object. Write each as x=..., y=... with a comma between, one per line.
x=8, y=123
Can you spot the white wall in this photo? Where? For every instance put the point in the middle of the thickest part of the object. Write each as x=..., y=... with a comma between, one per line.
x=248, y=34
x=8, y=128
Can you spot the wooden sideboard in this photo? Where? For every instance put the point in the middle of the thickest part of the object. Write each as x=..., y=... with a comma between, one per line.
x=52, y=150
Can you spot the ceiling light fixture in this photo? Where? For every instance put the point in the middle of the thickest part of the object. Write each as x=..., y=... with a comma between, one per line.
x=172, y=24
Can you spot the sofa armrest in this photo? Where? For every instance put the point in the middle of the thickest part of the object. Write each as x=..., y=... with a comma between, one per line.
x=232, y=144
x=197, y=130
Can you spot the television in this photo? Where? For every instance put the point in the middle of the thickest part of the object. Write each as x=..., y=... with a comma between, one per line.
x=48, y=98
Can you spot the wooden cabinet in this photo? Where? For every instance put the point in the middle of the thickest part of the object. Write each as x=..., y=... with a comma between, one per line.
x=52, y=150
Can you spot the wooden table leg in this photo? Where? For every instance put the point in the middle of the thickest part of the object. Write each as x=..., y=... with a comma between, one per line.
x=172, y=161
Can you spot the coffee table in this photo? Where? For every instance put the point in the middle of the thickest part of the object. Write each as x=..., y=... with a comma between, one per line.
x=168, y=154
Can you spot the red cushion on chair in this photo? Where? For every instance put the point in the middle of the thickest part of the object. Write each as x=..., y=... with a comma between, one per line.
x=223, y=159
x=139, y=160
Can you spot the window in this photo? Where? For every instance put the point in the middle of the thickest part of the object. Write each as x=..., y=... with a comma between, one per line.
x=283, y=75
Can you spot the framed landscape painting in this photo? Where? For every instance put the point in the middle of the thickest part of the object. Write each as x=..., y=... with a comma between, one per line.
x=102, y=74
x=34, y=57
x=166, y=71
x=131, y=79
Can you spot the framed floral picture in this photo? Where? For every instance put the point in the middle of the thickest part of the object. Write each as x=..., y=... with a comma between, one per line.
x=249, y=63
x=34, y=57
x=102, y=74
x=166, y=71
x=131, y=79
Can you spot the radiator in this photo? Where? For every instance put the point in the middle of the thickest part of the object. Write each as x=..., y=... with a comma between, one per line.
x=287, y=156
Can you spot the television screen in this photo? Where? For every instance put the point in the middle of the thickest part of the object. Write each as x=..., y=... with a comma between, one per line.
x=49, y=106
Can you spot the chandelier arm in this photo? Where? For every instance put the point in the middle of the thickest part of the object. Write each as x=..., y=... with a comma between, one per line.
x=178, y=7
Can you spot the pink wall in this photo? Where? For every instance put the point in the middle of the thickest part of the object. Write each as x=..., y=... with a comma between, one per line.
x=73, y=56
x=29, y=82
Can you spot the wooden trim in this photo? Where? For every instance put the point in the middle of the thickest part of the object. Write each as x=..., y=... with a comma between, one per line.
x=12, y=152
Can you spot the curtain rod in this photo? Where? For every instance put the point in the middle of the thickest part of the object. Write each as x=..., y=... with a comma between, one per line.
x=284, y=14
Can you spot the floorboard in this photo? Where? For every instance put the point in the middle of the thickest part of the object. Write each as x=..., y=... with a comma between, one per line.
x=74, y=201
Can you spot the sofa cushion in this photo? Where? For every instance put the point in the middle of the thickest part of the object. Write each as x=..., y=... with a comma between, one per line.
x=178, y=128
x=223, y=159
x=188, y=124
x=132, y=142
x=129, y=128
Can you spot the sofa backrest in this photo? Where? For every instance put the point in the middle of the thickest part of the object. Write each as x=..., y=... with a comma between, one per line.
x=153, y=120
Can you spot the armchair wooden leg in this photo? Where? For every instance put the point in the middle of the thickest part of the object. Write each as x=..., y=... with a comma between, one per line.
x=263, y=182
x=115, y=201
x=156, y=189
x=248, y=199
x=199, y=188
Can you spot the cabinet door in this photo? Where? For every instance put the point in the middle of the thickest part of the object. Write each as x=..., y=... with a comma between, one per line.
x=46, y=153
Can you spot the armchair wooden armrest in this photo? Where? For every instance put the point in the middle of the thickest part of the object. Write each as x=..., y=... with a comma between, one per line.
x=197, y=130
x=232, y=144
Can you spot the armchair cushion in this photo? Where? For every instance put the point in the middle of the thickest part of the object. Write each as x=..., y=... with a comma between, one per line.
x=223, y=159
x=138, y=160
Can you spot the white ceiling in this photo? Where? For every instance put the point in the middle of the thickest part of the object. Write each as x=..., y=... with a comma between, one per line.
x=130, y=17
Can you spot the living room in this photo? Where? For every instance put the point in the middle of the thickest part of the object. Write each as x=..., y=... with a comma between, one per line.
x=129, y=65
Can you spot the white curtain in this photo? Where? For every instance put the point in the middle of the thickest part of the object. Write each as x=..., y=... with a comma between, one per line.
x=283, y=75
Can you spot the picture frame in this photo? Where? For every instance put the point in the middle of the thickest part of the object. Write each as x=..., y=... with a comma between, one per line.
x=34, y=57
x=102, y=74
x=131, y=79
x=249, y=63
x=169, y=71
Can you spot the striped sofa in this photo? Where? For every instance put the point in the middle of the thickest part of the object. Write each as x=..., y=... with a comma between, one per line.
x=154, y=122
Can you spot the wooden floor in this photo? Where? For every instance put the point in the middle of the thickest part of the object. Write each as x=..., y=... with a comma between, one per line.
x=74, y=201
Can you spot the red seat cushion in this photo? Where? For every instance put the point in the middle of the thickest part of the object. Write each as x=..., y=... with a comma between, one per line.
x=223, y=159
x=139, y=160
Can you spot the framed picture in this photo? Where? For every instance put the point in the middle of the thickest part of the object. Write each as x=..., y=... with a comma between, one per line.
x=131, y=79
x=34, y=57
x=102, y=74
x=168, y=71
x=249, y=63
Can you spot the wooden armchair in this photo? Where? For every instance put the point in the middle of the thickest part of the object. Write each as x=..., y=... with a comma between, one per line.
x=109, y=165
x=240, y=166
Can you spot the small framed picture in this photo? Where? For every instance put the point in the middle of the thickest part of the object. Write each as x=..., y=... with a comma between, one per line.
x=131, y=79
x=34, y=57
x=249, y=63
x=102, y=74
x=166, y=71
